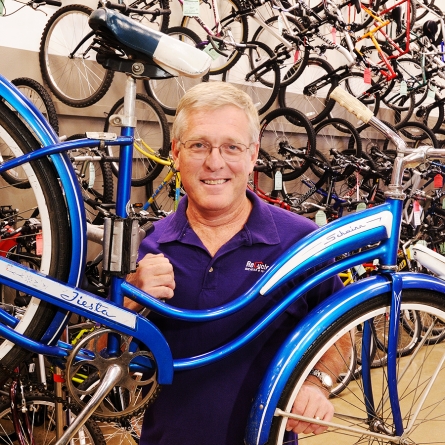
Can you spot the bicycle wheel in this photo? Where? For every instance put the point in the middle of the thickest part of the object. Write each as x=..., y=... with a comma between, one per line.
x=41, y=414
x=283, y=131
x=355, y=408
x=38, y=95
x=339, y=135
x=296, y=58
x=233, y=28
x=159, y=23
x=257, y=75
x=75, y=78
x=431, y=115
x=308, y=94
x=168, y=92
x=354, y=84
x=415, y=135
x=399, y=16
x=95, y=178
x=151, y=130
x=38, y=200
x=422, y=12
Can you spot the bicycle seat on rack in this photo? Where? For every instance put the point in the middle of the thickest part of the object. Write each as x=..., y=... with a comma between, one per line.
x=123, y=42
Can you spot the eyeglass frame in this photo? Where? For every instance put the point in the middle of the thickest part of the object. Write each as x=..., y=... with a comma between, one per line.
x=210, y=147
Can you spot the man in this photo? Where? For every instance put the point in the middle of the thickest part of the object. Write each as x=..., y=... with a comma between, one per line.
x=217, y=244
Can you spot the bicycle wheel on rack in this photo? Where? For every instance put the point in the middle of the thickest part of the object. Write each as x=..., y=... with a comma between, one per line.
x=431, y=115
x=95, y=178
x=38, y=95
x=415, y=135
x=168, y=92
x=39, y=202
x=360, y=410
x=309, y=95
x=295, y=63
x=67, y=63
x=339, y=135
x=233, y=27
x=283, y=131
x=400, y=106
x=41, y=415
x=256, y=74
x=152, y=135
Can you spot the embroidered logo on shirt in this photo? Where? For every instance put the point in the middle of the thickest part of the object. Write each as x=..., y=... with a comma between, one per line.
x=257, y=266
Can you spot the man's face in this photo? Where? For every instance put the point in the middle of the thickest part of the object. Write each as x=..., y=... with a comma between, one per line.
x=213, y=185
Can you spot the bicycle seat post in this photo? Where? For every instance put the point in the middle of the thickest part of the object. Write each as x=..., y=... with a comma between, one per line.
x=127, y=122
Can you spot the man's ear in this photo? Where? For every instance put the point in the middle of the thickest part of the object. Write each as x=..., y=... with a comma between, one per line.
x=254, y=155
x=175, y=152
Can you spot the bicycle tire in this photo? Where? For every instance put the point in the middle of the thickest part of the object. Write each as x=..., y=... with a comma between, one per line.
x=152, y=128
x=38, y=95
x=168, y=92
x=316, y=103
x=340, y=135
x=232, y=23
x=415, y=134
x=78, y=80
x=432, y=116
x=96, y=181
x=294, y=65
x=286, y=127
x=262, y=79
x=416, y=299
x=159, y=23
x=41, y=414
x=43, y=199
x=401, y=105
x=429, y=3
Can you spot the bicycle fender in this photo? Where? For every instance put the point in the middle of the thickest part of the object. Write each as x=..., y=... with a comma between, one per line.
x=29, y=113
x=307, y=331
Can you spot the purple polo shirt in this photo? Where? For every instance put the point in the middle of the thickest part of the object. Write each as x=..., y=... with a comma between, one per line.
x=210, y=405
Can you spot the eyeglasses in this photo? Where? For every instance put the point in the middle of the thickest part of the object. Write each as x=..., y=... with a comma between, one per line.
x=230, y=151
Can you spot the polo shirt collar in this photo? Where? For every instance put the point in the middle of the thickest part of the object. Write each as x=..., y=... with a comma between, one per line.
x=260, y=227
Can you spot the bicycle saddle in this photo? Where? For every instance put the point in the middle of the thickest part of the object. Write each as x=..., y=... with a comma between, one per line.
x=137, y=42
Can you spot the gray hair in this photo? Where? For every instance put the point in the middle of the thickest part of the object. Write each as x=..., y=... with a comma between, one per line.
x=209, y=96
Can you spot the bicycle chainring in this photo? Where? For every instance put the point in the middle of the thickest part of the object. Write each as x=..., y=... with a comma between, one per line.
x=88, y=363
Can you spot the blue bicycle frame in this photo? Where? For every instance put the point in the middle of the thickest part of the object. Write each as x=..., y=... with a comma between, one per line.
x=377, y=227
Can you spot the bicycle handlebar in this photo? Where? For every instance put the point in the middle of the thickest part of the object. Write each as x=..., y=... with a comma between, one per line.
x=48, y=2
x=126, y=10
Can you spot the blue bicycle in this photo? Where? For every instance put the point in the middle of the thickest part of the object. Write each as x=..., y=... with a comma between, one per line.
x=395, y=403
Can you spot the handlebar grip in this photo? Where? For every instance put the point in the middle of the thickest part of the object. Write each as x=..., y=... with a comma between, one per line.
x=49, y=2
x=352, y=104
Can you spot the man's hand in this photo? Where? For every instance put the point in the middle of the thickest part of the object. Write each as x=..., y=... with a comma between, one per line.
x=155, y=276
x=310, y=402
